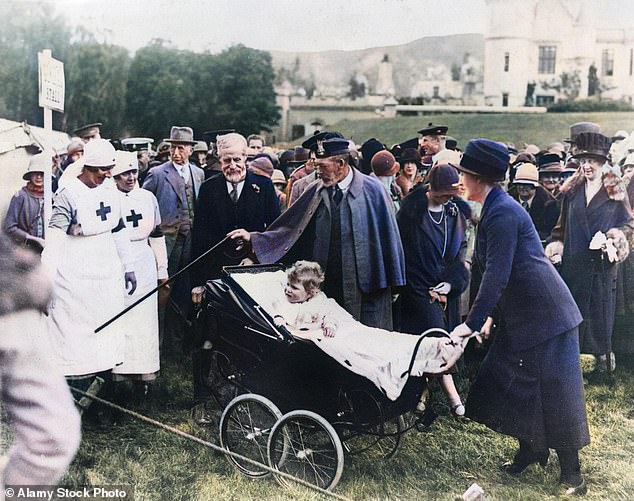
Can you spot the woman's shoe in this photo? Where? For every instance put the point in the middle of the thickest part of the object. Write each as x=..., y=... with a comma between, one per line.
x=457, y=410
x=523, y=460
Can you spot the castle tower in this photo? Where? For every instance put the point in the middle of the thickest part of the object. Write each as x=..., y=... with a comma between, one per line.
x=508, y=51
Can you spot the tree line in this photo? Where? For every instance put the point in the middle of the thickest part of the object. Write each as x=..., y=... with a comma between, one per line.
x=142, y=94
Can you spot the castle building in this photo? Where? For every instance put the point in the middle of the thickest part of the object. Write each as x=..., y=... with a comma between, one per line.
x=539, y=51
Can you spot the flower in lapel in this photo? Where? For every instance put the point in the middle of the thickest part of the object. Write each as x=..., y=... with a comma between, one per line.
x=255, y=187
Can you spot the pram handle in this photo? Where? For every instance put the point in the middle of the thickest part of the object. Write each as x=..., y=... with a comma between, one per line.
x=168, y=281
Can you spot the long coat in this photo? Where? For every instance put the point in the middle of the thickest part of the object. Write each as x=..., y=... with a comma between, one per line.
x=426, y=266
x=166, y=184
x=544, y=211
x=590, y=276
x=533, y=362
x=376, y=262
x=216, y=215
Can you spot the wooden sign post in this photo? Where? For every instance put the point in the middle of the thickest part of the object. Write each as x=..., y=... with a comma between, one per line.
x=51, y=97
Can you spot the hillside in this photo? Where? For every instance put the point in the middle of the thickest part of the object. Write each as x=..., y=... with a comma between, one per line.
x=517, y=128
x=410, y=61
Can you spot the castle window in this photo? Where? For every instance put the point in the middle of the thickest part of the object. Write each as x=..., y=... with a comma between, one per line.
x=505, y=99
x=436, y=91
x=607, y=62
x=507, y=57
x=631, y=60
x=547, y=58
x=544, y=100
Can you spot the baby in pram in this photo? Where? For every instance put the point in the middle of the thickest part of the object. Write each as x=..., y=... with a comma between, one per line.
x=382, y=356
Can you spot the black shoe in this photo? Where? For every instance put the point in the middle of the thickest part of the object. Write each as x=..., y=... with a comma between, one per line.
x=523, y=460
x=574, y=486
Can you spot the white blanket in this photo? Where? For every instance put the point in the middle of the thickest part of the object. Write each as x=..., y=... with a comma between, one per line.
x=381, y=356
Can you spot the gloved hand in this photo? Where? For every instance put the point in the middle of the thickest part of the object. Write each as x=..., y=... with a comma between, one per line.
x=554, y=251
x=130, y=282
x=443, y=288
x=462, y=330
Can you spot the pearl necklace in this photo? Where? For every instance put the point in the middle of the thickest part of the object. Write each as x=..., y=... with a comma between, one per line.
x=442, y=215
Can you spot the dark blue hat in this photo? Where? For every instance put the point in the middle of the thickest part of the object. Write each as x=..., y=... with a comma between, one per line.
x=486, y=158
x=331, y=147
x=444, y=179
x=434, y=130
x=311, y=142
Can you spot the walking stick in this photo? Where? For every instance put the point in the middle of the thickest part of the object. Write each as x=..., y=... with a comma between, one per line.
x=168, y=281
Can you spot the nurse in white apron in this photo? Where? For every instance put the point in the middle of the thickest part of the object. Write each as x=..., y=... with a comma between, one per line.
x=88, y=255
x=142, y=218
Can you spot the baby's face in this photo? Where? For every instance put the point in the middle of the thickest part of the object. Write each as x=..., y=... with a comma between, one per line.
x=296, y=292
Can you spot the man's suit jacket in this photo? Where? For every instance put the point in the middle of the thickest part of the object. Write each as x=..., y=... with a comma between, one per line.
x=217, y=215
x=531, y=299
x=166, y=184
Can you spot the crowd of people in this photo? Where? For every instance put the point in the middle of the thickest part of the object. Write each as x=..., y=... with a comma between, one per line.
x=528, y=246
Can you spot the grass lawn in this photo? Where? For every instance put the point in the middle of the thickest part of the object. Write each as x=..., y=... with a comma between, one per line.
x=438, y=464
x=540, y=129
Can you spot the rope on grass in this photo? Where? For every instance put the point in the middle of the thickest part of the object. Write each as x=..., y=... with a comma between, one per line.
x=209, y=445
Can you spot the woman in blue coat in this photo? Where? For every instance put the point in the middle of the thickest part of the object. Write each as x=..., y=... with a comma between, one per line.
x=529, y=386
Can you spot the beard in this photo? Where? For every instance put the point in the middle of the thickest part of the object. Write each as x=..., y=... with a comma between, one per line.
x=235, y=176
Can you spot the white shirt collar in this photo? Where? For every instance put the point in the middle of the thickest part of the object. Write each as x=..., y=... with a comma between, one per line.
x=344, y=184
x=239, y=187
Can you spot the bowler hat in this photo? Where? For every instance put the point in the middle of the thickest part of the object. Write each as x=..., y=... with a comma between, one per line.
x=434, y=130
x=486, y=158
x=451, y=143
x=526, y=173
x=592, y=144
x=368, y=149
x=384, y=164
x=38, y=163
x=444, y=179
x=183, y=135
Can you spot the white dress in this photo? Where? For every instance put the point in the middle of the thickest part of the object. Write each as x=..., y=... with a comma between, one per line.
x=87, y=274
x=141, y=347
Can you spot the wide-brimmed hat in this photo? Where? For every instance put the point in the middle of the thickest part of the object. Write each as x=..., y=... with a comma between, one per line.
x=183, y=135
x=411, y=155
x=593, y=144
x=201, y=147
x=278, y=177
x=124, y=161
x=579, y=127
x=550, y=162
x=444, y=179
x=99, y=153
x=301, y=155
x=38, y=163
x=526, y=173
x=485, y=158
x=384, y=164
x=75, y=146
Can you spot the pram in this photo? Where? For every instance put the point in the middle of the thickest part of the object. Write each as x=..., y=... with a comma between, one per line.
x=286, y=403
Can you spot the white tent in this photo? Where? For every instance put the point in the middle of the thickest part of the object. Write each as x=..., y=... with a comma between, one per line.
x=18, y=142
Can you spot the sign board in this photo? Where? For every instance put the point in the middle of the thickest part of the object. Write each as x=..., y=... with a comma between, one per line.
x=51, y=82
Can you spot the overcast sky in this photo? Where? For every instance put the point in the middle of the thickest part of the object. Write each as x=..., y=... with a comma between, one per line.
x=294, y=25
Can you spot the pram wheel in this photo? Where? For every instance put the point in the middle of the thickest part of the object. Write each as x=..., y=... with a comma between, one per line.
x=368, y=432
x=245, y=427
x=305, y=445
